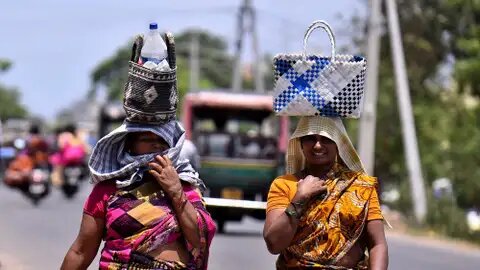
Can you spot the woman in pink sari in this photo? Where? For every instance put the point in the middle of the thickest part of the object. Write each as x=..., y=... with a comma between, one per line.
x=71, y=151
x=146, y=204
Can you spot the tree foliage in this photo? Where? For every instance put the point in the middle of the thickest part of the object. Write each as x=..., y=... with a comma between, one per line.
x=216, y=66
x=215, y=62
x=465, y=42
x=215, y=70
x=10, y=106
x=5, y=65
x=437, y=36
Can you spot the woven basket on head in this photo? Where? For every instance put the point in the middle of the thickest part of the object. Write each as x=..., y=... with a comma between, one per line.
x=150, y=96
x=312, y=84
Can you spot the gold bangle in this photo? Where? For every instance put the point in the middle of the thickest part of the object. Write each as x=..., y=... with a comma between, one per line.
x=300, y=203
x=299, y=207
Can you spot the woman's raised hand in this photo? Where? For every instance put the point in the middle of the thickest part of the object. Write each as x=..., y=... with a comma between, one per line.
x=166, y=175
x=309, y=187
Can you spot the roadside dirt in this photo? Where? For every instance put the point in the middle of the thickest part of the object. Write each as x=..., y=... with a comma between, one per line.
x=402, y=231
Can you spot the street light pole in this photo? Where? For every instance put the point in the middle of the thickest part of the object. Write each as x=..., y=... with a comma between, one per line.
x=406, y=115
x=246, y=23
x=237, y=68
x=194, y=62
x=367, y=128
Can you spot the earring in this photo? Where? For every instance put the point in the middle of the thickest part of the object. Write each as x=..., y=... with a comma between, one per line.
x=331, y=174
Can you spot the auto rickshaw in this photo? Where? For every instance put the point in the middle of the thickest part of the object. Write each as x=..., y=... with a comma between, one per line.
x=242, y=144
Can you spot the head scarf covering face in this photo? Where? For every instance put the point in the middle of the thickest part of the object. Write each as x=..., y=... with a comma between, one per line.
x=330, y=127
x=110, y=160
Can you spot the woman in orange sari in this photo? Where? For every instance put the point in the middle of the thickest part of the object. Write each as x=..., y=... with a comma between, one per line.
x=324, y=213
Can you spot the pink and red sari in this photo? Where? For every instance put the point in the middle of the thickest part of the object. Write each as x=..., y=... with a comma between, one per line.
x=140, y=219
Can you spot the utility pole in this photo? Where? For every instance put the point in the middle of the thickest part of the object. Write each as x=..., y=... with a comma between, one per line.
x=246, y=24
x=194, y=62
x=406, y=115
x=2, y=163
x=1, y=133
x=368, y=121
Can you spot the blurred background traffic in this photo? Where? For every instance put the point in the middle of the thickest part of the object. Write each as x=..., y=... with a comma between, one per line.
x=63, y=67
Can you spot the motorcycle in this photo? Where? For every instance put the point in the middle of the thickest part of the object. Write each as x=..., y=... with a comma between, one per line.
x=7, y=154
x=38, y=185
x=72, y=175
x=33, y=183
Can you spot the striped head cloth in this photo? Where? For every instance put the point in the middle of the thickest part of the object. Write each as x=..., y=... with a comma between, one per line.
x=110, y=160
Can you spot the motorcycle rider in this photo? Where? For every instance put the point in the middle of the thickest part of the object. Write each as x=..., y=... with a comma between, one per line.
x=34, y=155
x=71, y=151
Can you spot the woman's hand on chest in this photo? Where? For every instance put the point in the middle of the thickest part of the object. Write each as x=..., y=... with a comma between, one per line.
x=166, y=175
x=309, y=187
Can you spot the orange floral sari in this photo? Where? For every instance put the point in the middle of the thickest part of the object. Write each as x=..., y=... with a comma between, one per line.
x=332, y=225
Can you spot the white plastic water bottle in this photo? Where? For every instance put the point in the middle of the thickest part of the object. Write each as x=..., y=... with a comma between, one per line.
x=154, y=50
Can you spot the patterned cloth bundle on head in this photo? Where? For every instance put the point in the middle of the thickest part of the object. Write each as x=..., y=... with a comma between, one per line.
x=150, y=96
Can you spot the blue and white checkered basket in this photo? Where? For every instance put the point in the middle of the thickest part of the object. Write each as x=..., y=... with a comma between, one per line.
x=319, y=85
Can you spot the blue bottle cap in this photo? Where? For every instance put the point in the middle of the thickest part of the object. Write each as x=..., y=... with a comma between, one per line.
x=153, y=26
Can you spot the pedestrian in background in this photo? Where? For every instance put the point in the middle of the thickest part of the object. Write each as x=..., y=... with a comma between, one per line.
x=324, y=213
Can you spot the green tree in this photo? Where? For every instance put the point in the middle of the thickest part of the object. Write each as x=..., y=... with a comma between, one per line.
x=111, y=74
x=437, y=36
x=9, y=97
x=5, y=65
x=216, y=66
x=215, y=62
x=464, y=41
x=215, y=71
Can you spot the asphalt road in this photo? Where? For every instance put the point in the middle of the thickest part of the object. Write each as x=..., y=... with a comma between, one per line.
x=37, y=238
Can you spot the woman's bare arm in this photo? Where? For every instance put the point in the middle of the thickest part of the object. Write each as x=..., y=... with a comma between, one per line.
x=166, y=175
x=187, y=218
x=377, y=245
x=85, y=247
x=279, y=230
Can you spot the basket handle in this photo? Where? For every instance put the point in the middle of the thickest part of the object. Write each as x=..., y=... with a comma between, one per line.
x=313, y=26
x=136, y=48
